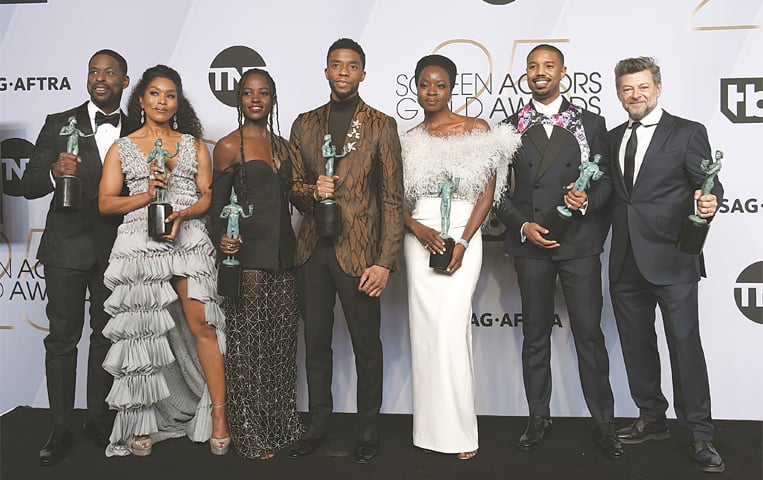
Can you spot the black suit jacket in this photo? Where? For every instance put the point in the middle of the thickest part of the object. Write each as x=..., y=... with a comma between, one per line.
x=541, y=171
x=76, y=240
x=662, y=196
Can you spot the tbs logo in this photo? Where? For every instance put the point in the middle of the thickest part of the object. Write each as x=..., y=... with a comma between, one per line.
x=742, y=99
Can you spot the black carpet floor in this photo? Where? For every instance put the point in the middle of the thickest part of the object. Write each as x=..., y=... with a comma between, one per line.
x=568, y=454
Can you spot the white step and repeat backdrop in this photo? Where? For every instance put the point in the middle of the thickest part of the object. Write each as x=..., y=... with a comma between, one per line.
x=709, y=51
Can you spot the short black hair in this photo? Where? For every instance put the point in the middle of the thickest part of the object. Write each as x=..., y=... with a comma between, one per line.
x=546, y=46
x=119, y=58
x=349, y=44
x=437, y=61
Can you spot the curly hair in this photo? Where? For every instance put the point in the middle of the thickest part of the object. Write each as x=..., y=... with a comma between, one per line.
x=187, y=120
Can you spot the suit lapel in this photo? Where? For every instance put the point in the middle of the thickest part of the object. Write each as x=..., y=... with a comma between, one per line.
x=615, y=152
x=346, y=163
x=661, y=133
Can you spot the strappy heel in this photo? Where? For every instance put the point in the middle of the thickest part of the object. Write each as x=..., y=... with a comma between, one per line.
x=219, y=446
x=142, y=447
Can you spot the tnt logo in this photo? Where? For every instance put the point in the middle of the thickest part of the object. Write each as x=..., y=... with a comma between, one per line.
x=742, y=99
x=14, y=156
x=748, y=292
x=226, y=70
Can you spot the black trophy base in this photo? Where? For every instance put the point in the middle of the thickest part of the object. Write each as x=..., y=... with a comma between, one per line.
x=157, y=216
x=556, y=223
x=229, y=280
x=691, y=238
x=328, y=218
x=441, y=261
x=68, y=196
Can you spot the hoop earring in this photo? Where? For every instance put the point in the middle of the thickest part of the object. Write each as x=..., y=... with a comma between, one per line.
x=142, y=116
x=175, y=122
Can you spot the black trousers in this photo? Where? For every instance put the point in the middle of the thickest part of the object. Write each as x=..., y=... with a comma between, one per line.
x=581, y=284
x=319, y=281
x=67, y=294
x=634, y=300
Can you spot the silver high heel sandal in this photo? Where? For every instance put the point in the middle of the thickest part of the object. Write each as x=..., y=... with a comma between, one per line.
x=142, y=447
x=219, y=446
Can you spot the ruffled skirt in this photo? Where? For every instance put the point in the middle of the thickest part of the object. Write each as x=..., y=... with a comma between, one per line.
x=159, y=387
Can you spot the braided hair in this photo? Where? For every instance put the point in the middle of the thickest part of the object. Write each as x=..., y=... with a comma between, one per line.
x=278, y=146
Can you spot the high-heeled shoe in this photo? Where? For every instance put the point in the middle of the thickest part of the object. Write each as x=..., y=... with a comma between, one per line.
x=142, y=447
x=219, y=446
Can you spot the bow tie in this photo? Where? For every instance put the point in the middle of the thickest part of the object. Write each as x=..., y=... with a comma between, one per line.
x=100, y=118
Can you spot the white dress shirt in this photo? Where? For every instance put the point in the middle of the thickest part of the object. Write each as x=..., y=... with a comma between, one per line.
x=644, y=136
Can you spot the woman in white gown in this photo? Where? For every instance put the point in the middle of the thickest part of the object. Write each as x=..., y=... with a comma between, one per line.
x=458, y=153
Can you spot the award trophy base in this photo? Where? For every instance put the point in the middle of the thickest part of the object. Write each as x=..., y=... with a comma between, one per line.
x=693, y=233
x=556, y=222
x=68, y=196
x=157, y=214
x=441, y=261
x=229, y=278
x=328, y=217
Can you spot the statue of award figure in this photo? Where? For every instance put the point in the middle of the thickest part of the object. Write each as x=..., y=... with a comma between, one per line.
x=68, y=196
x=159, y=209
x=558, y=219
x=446, y=190
x=691, y=238
x=328, y=214
x=229, y=273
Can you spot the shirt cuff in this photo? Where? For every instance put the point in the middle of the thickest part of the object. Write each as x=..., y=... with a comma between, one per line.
x=522, y=236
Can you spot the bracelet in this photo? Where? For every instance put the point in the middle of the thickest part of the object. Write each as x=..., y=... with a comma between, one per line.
x=463, y=242
x=315, y=195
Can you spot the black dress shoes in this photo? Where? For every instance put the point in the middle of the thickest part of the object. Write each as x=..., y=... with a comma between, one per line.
x=364, y=452
x=607, y=441
x=305, y=446
x=640, y=431
x=97, y=431
x=56, y=447
x=537, y=429
x=706, y=457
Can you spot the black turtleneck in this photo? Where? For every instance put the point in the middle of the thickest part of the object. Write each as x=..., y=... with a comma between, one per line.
x=340, y=116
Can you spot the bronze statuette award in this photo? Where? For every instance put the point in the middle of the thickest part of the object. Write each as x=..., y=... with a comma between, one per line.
x=159, y=209
x=68, y=196
x=328, y=213
x=229, y=273
x=436, y=260
x=558, y=219
x=691, y=238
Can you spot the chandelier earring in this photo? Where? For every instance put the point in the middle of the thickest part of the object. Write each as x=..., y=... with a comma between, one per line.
x=142, y=116
x=175, y=122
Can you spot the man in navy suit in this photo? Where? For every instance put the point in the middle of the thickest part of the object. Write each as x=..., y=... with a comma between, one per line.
x=75, y=248
x=557, y=139
x=656, y=181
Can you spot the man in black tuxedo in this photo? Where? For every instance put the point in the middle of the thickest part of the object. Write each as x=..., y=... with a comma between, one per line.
x=75, y=248
x=655, y=165
x=549, y=163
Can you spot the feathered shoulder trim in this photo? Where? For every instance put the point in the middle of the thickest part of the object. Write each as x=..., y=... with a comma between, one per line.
x=473, y=157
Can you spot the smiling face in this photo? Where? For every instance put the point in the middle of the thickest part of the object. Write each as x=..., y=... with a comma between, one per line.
x=344, y=73
x=105, y=82
x=544, y=75
x=160, y=100
x=638, y=93
x=433, y=89
x=256, y=97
